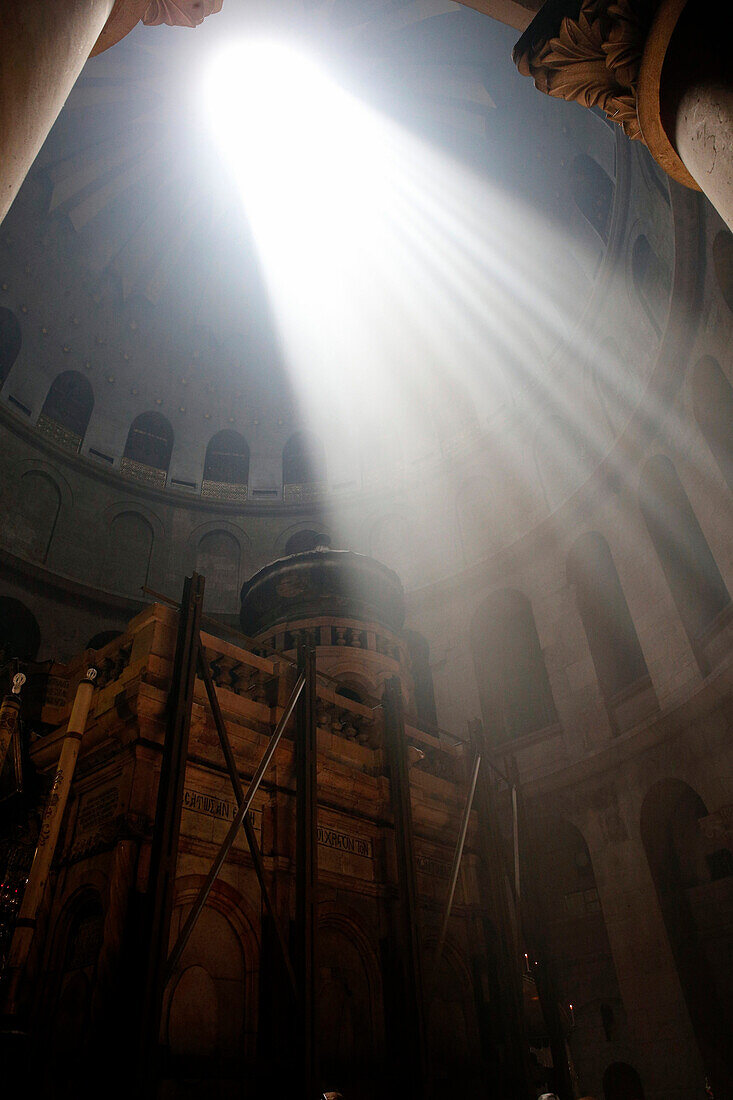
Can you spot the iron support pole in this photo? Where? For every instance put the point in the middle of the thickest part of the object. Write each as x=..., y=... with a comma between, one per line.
x=416, y=1076
x=306, y=871
x=164, y=851
x=510, y=1029
x=226, y=845
x=457, y=859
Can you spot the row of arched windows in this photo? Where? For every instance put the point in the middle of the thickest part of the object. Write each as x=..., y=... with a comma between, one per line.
x=68, y=408
x=515, y=694
x=150, y=444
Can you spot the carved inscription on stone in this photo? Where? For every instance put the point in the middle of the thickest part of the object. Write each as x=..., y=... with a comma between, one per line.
x=345, y=842
x=221, y=809
x=201, y=803
x=57, y=692
x=429, y=866
x=95, y=826
x=97, y=808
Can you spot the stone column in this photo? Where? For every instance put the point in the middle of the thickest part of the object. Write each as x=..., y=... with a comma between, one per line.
x=696, y=97
x=656, y=67
x=43, y=47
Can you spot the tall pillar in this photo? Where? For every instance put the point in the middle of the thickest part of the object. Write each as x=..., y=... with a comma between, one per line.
x=43, y=47
x=696, y=99
x=656, y=67
x=166, y=832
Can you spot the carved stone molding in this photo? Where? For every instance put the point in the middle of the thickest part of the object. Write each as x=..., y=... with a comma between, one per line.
x=593, y=52
x=176, y=13
x=179, y=13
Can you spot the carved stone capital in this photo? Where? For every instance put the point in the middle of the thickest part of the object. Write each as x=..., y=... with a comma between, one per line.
x=593, y=52
x=176, y=13
x=179, y=13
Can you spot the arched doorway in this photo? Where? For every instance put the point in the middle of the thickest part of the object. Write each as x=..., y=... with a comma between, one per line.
x=349, y=1010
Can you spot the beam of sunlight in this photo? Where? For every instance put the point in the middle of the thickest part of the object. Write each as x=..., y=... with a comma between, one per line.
x=413, y=298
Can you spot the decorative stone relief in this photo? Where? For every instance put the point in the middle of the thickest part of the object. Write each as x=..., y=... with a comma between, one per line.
x=180, y=13
x=593, y=59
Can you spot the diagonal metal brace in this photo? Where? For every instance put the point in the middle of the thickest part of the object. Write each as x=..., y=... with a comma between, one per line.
x=226, y=748
x=234, y=828
x=457, y=859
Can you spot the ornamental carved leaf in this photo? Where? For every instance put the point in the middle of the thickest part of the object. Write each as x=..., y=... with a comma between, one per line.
x=594, y=59
x=624, y=42
x=586, y=83
x=622, y=109
x=576, y=43
x=179, y=13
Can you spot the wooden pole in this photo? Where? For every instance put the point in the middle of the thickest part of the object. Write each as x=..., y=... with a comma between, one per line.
x=416, y=1067
x=9, y=713
x=25, y=924
x=306, y=873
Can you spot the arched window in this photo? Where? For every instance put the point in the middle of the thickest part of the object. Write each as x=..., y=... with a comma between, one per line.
x=19, y=632
x=713, y=404
x=67, y=409
x=694, y=579
x=10, y=341
x=612, y=637
x=723, y=264
x=652, y=282
x=510, y=668
x=226, y=469
x=303, y=541
x=304, y=468
x=36, y=513
x=129, y=550
x=148, y=449
x=422, y=677
x=217, y=559
x=682, y=860
x=592, y=191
